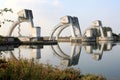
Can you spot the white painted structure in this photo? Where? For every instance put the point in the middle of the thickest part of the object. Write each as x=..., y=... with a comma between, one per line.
x=26, y=15
x=89, y=33
x=94, y=33
x=101, y=34
x=36, y=31
x=67, y=21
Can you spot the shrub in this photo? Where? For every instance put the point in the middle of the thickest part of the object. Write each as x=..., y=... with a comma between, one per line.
x=31, y=70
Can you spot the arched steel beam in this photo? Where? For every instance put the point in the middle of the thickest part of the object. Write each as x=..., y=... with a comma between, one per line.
x=68, y=21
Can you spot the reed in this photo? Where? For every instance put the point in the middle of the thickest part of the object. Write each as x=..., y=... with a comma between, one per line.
x=31, y=70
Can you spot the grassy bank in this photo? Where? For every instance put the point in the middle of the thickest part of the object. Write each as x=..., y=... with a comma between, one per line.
x=29, y=70
x=1, y=39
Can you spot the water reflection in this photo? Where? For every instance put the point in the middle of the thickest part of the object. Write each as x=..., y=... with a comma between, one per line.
x=67, y=59
x=96, y=58
x=97, y=49
x=15, y=52
x=4, y=49
x=93, y=48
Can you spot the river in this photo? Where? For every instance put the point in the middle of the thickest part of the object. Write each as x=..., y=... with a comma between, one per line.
x=101, y=58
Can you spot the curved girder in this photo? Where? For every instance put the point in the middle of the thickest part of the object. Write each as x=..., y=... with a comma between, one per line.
x=60, y=30
x=67, y=21
x=14, y=25
x=57, y=28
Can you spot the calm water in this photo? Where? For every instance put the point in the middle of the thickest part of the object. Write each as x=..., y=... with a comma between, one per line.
x=96, y=58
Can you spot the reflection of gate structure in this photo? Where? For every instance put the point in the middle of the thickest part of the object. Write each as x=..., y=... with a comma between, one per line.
x=68, y=60
x=67, y=21
x=98, y=49
x=35, y=52
x=16, y=54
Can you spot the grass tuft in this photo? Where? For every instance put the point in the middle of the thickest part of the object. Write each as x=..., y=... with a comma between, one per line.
x=30, y=70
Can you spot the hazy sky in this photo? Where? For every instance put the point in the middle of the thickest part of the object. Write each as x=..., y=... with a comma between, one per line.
x=48, y=12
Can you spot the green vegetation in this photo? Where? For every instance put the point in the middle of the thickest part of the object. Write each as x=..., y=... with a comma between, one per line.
x=2, y=12
x=5, y=10
x=1, y=39
x=105, y=29
x=31, y=70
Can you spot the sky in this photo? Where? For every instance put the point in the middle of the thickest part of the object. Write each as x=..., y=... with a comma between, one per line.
x=47, y=13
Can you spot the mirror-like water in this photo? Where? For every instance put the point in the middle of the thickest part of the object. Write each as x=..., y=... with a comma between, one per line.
x=96, y=58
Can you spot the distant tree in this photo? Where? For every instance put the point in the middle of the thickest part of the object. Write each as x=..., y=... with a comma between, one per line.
x=2, y=12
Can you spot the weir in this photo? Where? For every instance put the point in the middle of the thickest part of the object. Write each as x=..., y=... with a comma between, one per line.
x=96, y=32
x=67, y=21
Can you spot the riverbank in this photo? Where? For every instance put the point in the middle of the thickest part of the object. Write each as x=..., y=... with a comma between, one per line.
x=67, y=39
x=26, y=41
x=31, y=70
x=40, y=40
